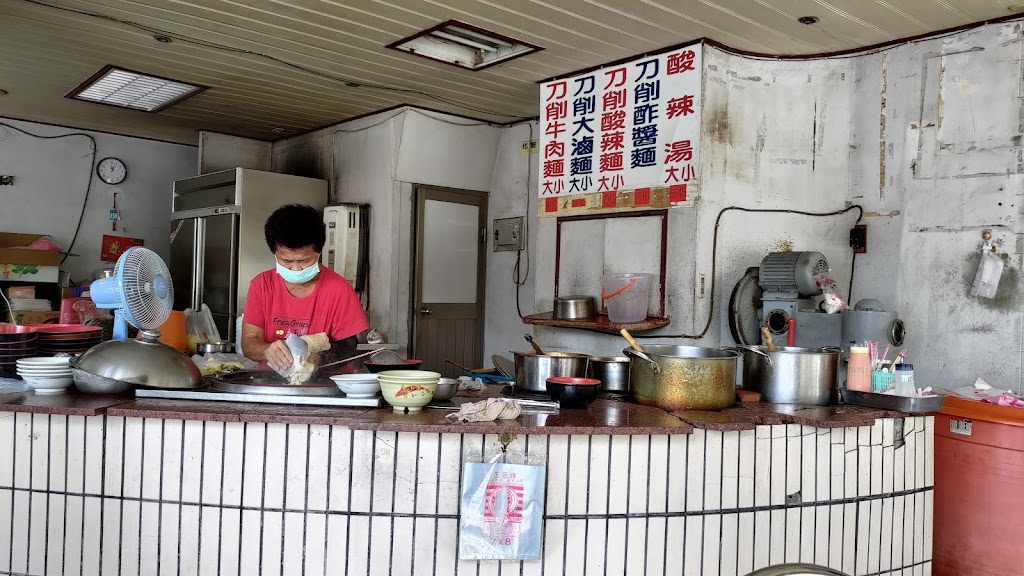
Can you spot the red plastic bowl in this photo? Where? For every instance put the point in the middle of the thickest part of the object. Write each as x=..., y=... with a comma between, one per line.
x=574, y=381
x=63, y=329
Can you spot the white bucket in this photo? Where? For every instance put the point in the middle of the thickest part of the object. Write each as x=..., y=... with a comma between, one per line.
x=626, y=296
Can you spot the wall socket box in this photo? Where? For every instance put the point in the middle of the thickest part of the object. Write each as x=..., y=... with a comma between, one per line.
x=6, y=180
x=508, y=234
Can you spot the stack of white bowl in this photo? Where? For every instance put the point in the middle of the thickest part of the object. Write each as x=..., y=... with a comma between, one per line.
x=357, y=385
x=46, y=375
x=408, y=390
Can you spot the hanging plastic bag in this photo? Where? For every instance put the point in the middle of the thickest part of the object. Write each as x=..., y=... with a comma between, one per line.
x=502, y=510
x=200, y=327
x=990, y=269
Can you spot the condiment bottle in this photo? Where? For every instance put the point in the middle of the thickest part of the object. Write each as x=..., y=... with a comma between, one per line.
x=858, y=371
x=905, y=380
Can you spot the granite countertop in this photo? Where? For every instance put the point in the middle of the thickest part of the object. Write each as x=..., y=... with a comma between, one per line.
x=605, y=416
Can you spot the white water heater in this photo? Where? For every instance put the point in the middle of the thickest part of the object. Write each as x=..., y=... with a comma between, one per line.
x=347, y=248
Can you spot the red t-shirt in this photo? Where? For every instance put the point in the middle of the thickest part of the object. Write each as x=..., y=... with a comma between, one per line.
x=333, y=308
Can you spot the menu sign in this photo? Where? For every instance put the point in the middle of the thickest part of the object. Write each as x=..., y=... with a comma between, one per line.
x=630, y=126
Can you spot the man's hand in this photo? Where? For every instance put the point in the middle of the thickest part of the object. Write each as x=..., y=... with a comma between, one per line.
x=315, y=360
x=278, y=355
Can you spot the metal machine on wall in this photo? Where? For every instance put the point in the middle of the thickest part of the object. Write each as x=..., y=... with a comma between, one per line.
x=785, y=287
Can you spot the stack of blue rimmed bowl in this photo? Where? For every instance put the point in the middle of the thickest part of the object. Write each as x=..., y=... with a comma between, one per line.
x=16, y=342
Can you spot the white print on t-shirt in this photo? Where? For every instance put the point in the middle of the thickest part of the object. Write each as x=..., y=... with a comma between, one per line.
x=283, y=326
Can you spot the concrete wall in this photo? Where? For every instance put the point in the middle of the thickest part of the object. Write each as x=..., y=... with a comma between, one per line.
x=223, y=152
x=50, y=178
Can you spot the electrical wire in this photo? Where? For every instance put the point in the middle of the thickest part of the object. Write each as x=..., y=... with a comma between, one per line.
x=88, y=186
x=351, y=83
x=516, y=270
x=714, y=256
x=867, y=50
x=9, y=307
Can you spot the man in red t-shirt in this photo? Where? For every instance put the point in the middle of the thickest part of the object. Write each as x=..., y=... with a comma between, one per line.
x=299, y=297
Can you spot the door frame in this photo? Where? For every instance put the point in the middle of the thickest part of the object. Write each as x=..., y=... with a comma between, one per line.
x=420, y=192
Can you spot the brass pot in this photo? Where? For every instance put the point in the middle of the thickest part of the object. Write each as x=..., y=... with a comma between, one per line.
x=685, y=378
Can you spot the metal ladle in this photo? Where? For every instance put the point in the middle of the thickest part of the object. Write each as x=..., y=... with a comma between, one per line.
x=638, y=351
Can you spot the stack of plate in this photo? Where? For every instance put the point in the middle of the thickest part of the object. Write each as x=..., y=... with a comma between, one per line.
x=67, y=338
x=16, y=342
x=357, y=385
x=408, y=390
x=46, y=375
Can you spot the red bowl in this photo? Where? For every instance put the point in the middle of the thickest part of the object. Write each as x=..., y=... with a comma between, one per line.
x=10, y=329
x=50, y=329
x=409, y=364
x=574, y=381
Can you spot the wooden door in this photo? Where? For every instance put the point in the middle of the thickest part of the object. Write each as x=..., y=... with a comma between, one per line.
x=448, y=302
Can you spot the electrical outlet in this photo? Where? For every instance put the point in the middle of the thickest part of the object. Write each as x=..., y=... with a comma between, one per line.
x=859, y=239
x=6, y=180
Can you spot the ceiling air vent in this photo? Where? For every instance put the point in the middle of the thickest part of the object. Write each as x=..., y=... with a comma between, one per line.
x=128, y=89
x=464, y=45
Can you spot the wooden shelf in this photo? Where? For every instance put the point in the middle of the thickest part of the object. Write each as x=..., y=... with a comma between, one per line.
x=600, y=323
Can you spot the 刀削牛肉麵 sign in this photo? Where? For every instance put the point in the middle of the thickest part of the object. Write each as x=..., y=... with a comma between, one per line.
x=623, y=127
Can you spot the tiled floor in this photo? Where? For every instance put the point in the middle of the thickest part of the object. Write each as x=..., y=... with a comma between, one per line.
x=123, y=496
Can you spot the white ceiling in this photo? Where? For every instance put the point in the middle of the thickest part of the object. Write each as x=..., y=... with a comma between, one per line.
x=293, y=65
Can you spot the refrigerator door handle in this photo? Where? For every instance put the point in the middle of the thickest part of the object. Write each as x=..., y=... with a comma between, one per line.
x=199, y=271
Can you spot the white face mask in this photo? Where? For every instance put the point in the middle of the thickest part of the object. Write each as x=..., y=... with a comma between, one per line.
x=298, y=276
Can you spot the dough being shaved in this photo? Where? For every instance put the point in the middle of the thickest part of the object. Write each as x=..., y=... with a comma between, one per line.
x=302, y=348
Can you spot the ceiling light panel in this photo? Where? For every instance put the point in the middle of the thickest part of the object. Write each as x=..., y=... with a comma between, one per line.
x=464, y=45
x=129, y=89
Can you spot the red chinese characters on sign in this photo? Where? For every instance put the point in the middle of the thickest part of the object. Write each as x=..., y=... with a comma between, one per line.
x=678, y=166
x=679, y=107
x=680, y=62
x=556, y=115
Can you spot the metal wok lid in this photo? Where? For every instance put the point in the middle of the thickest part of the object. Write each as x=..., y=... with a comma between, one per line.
x=143, y=362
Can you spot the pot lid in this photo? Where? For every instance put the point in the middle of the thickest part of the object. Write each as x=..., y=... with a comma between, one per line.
x=144, y=362
x=745, y=309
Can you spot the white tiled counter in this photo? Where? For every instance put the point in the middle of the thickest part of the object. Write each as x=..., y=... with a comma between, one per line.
x=113, y=495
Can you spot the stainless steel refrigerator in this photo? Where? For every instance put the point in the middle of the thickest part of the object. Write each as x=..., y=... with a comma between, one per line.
x=217, y=241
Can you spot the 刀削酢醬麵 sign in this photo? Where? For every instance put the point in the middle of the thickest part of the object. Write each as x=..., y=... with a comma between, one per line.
x=623, y=127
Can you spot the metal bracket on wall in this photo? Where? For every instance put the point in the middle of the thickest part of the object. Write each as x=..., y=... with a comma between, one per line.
x=6, y=180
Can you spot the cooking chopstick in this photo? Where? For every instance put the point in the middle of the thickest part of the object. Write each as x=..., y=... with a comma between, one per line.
x=352, y=358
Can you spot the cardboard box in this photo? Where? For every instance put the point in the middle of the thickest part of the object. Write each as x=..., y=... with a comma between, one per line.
x=9, y=254
x=21, y=292
x=33, y=317
x=26, y=265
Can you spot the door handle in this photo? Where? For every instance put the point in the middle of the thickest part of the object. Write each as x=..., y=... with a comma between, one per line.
x=426, y=311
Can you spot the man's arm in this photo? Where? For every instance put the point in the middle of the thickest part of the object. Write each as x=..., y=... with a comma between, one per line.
x=255, y=348
x=339, y=350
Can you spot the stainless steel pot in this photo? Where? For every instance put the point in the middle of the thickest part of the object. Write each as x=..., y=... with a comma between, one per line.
x=791, y=375
x=533, y=370
x=612, y=371
x=574, y=308
x=686, y=378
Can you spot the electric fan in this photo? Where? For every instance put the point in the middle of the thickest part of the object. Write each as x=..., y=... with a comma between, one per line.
x=140, y=292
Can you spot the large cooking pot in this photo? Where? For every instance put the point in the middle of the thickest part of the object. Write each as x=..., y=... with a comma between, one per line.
x=791, y=375
x=686, y=377
x=533, y=370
